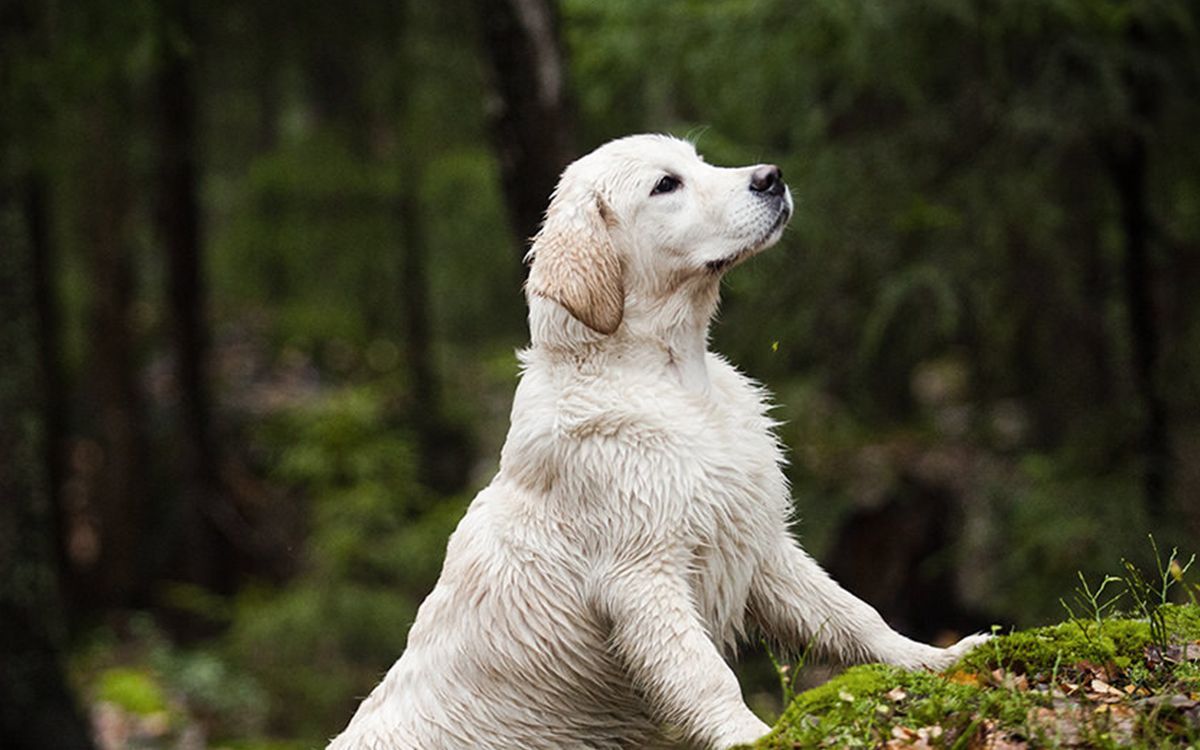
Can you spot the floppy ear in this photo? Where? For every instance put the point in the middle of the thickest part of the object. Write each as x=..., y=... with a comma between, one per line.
x=575, y=263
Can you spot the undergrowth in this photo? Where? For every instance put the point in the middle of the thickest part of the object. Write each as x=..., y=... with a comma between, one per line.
x=1122, y=671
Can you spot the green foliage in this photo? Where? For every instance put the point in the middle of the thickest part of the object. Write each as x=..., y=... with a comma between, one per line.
x=1054, y=538
x=937, y=151
x=1150, y=596
x=375, y=548
x=956, y=215
x=474, y=265
x=144, y=675
x=311, y=222
x=1093, y=604
x=131, y=689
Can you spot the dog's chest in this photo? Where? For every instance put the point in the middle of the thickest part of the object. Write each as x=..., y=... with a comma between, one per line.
x=633, y=463
x=733, y=514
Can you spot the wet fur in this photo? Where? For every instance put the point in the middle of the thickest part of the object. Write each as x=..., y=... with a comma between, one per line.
x=638, y=526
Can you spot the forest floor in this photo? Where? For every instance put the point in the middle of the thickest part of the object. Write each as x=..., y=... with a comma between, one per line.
x=1098, y=682
x=1099, y=679
x=1104, y=682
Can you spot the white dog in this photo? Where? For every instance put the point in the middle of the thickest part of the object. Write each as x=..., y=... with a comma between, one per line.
x=638, y=526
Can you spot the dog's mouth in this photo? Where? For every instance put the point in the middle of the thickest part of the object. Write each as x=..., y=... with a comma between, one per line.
x=769, y=237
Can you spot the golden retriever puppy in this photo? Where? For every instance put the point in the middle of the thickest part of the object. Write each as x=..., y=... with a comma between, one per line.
x=638, y=526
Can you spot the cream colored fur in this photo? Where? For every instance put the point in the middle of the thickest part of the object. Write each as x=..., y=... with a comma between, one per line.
x=638, y=526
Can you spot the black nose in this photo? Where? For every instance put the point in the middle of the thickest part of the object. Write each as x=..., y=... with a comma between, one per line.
x=767, y=179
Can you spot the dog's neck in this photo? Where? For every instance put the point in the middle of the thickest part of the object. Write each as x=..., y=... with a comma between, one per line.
x=670, y=327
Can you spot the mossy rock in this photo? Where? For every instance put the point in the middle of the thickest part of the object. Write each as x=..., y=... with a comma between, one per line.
x=1072, y=684
x=1044, y=650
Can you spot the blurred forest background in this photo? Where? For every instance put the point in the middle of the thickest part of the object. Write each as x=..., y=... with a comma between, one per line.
x=260, y=270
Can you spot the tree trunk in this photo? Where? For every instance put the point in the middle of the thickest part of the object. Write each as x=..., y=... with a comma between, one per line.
x=445, y=451
x=1129, y=177
x=54, y=396
x=532, y=124
x=1128, y=163
x=112, y=563
x=203, y=555
x=36, y=708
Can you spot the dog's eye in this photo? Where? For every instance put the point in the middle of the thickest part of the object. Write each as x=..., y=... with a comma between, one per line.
x=667, y=184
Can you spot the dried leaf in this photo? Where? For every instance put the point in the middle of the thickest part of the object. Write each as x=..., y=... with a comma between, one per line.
x=1103, y=688
x=965, y=678
x=903, y=737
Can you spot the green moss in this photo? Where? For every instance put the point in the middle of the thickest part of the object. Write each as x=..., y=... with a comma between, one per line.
x=1120, y=642
x=1042, y=650
x=133, y=690
x=1183, y=621
x=863, y=706
x=1010, y=686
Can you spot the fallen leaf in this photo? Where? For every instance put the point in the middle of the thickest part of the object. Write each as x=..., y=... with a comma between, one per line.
x=969, y=679
x=917, y=744
x=1103, y=688
x=1086, y=667
x=903, y=737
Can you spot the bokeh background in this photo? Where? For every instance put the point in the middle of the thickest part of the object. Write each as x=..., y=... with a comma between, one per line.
x=260, y=293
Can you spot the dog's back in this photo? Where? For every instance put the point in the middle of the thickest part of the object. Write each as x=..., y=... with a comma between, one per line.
x=504, y=642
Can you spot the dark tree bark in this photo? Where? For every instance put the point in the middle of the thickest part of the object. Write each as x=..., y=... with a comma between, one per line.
x=113, y=573
x=1129, y=177
x=36, y=708
x=54, y=397
x=414, y=299
x=24, y=41
x=532, y=123
x=445, y=450
x=1128, y=163
x=204, y=555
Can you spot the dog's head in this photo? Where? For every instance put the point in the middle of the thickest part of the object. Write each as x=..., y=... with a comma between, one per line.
x=640, y=217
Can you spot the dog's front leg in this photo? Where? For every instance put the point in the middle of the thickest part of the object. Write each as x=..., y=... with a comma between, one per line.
x=658, y=638
x=796, y=603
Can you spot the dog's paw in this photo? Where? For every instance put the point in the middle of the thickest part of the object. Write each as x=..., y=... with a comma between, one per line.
x=742, y=733
x=909, y=654
x=951, y=654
